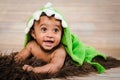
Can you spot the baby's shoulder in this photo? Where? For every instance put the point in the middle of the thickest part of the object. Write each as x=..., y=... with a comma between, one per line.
x=61, y=47
x=60, y=50
x=31, y=44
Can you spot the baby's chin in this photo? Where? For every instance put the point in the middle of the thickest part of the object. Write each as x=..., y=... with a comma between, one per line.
x=48, y=49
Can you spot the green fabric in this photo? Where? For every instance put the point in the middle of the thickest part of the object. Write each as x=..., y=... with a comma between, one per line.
x=76, y=49
x=79, y=52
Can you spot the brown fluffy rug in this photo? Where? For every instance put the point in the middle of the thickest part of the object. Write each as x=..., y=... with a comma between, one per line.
x=9, y=70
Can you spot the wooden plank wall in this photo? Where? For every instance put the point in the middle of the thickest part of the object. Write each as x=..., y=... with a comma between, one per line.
x=96, y=22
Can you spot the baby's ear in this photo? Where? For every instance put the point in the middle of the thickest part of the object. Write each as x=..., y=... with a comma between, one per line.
x=33, y=34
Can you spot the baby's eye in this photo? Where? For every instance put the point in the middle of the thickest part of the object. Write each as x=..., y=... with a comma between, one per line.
x=43, y=29
x=56, y=30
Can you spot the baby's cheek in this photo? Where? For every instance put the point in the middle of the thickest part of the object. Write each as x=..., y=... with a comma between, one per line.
x=58, y=37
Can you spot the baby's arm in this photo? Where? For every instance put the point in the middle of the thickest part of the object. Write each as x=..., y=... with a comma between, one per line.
x=54, y=66
x=23, y=54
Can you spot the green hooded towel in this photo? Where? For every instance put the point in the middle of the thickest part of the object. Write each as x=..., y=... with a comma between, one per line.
x=73, y=45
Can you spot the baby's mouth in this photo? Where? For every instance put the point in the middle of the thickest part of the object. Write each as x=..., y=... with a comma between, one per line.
x=48, y=42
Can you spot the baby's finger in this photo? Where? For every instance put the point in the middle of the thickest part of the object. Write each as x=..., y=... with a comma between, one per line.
x=35, y=70
x=30, y=68
x=27, y=67
x=17, y=59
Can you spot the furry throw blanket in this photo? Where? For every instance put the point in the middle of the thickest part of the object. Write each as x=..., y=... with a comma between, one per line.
x=9, y=70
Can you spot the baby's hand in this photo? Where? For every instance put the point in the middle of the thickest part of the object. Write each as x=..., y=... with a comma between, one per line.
x=18, y=58
x=30, y=68
x=27, y=68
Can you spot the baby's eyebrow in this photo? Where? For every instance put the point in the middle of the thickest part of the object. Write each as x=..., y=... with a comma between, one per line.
x=42, y=24
x=59, y=26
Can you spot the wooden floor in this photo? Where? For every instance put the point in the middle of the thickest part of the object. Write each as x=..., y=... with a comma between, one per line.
x=96, y=22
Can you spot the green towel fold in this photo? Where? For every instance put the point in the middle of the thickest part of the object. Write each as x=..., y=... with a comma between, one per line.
x=79, y=52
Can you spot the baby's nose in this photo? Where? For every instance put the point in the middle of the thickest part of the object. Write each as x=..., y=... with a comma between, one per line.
x=50, y=35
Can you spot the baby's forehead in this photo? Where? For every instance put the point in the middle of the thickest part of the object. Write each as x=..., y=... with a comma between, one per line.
x=48, y=21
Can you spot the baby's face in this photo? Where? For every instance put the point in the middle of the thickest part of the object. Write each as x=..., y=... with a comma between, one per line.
x=48, y=32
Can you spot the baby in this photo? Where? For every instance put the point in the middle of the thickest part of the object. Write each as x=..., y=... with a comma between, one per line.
x=48, y=38
x=45, y=46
